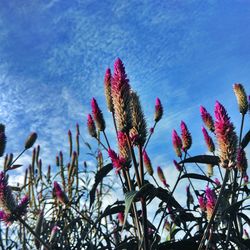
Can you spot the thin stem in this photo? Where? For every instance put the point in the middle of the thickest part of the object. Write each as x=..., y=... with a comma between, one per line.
x=113, y=116
x=106, y=138
x=146, y=144
x=215, y=209
x=155, y=181
x=15, y=159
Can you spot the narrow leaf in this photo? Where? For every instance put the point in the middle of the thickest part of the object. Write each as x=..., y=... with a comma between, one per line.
x=197, y=177
x=245, y=139
x=206, y=159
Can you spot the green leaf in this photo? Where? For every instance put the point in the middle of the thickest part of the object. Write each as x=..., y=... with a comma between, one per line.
x=197, y=177
x=234, y=207
x=206, y=159
x=245, y=139
x=98, y=178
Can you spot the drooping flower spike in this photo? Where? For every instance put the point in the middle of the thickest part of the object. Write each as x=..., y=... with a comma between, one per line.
x=162, y=176
x=91, y=126
x=207, y=118
x=177, y=143
x=98, y=116
x=186, y=137
x=226, y=136
x=147, y=163
x=158, y=110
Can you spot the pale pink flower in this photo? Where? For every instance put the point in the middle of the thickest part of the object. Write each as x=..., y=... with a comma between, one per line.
x=208, y=140
x=207, y=118
x=186, y=137
x=177, y=143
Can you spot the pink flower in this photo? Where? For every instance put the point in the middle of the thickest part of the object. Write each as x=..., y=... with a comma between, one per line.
x=60, y=194
x=207, y=118
x=177, y=165
x=177, y=143
x=158, y=110
x=211, y=201
x=147, y=163
x=97, y=114
x=208, y=140
x=226, y=136
x=120, y=217
x=186, y=137
x=202, y=203
x=217, y=182
x=162, y=176
x=246, y=179
x=120, y=91
x=91, y=126
x=118, y=162
x=241, y=160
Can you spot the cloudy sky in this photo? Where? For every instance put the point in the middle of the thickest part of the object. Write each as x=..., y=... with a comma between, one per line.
x=53, y=56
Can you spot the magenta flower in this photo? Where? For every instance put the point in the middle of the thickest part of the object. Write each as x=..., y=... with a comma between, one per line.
x=158, y=110
x=202, y=203
x=120, y=217
x=120, y=91
x=226, y=136
x=186, y=137
x=53, y=233
x=246, y=179
x=208, y=140
x=217, y=182
x=162, y=176
x=118, y=162
x=123, y=146
x=60, y=194
x=177, y=143
x=207, y=118
x=177, y=165
x=91, y=126
x=241, y=160
x=98, y=116
x=147, y=163
x=211, y=201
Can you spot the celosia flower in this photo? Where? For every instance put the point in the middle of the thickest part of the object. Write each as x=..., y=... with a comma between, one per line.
x=118, y=162
x=162, y=176
x=98, y=116
x=120, y=90
x=177, y=165
x=7, y=201
x=241, y=160
x=241, y=97
x=208, y=140
x=202, y=203
x=91, y=126
x=107, y=88
x=139, y=126
x=123, y=146
x=246, y=179
x=167, y=225
x=158, y=110
x=217, y=182
x=53, y=233
x=207, y=118
x=226, y=136
x=60, y=194
x=147, y=163
x=30, y=140
x=120, y=217
x=177, y=143
x=211, y=201
x=22, y=207
x=186, y=137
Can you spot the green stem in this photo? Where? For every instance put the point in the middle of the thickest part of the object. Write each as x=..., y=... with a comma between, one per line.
x=146, y=144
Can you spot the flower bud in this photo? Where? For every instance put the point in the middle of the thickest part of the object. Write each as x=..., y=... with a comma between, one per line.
x=241, y=98
x=30, y=140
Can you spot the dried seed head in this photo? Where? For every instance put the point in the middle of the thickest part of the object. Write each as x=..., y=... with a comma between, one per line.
x=158, y=110
x=147, y=163
x=107, y=88
x=241, y=97
x=208, y=140
x=98, y=116
x=30, y=140
x=91, y=126
x=186, y=137
x=177, y=143
x=3, y=140
x=120, y=91
x=241, y=161
x=207, y=118
x=138, y=120
x=226, y=136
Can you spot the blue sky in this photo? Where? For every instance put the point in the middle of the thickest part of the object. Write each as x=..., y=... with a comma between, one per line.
x=53, y=56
